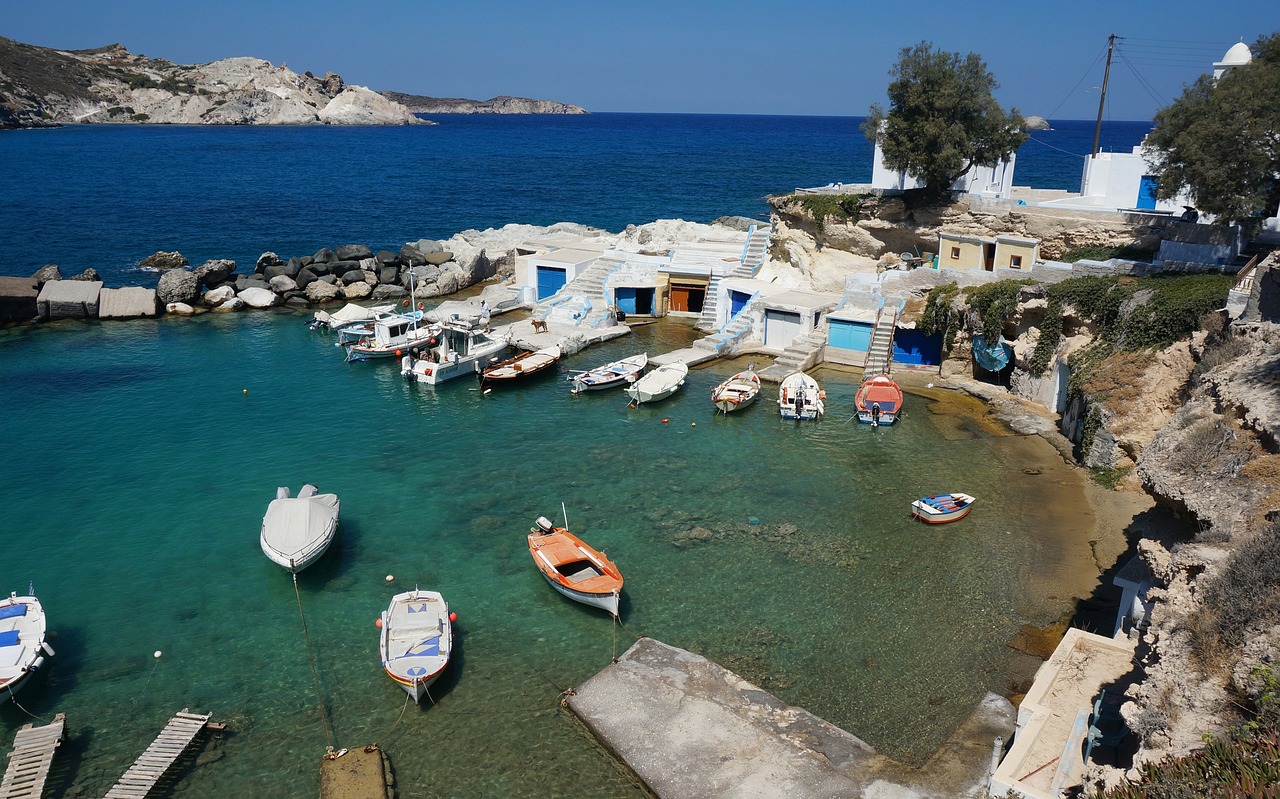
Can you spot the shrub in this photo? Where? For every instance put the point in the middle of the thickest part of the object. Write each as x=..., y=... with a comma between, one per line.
x=939, y=318
x=1095, y=252
x=995, y=304
x=821, y=206
x=1246, y=592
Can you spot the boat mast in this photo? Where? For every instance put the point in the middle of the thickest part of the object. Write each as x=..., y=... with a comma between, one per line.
x=1097, y=128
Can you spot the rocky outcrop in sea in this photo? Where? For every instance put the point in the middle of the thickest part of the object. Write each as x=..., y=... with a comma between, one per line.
x=420, y=104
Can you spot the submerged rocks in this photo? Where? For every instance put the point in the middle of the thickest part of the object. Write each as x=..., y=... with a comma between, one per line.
x=178, y=285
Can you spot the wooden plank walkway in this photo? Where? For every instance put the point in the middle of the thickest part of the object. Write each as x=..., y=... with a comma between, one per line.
x=160, y=756
x=31, y=758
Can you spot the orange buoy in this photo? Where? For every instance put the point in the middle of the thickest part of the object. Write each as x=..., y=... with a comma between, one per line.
x=398, y=353
x=405, y=304
x=453, y=616
x=664, y=421
x=422, y=306
x=378, y=623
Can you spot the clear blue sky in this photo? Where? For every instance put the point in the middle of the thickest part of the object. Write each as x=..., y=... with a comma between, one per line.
x=827, y=57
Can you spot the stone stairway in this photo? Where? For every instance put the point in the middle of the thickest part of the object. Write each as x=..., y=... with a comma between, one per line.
x=708, y=319
x=754, y=254
x=802, y=353
x=880, y=352
x=581, y=300
x=727, y=340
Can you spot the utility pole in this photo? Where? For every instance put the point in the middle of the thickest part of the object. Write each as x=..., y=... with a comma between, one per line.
x=1097, y=129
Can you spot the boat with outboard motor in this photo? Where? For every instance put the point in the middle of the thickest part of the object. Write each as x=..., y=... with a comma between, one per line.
x=296, y=531
x=799, y=397
x=392, y=336
x=23, y=648
x=879, y=401
x=574, y=568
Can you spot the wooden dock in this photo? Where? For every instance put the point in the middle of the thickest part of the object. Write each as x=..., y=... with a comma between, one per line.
x=160, y=756
x=31, y=758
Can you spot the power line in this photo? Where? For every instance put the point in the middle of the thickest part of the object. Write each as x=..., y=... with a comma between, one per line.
x=1084, y=75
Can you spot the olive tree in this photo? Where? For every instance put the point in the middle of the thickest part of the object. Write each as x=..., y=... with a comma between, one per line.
x=942, y=118
x=1220, y=142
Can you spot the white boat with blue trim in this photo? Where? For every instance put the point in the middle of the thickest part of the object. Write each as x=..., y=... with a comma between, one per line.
x=416, y=640
x=22, y=640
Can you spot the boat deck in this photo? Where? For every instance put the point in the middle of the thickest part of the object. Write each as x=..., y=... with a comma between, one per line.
x=558, y=554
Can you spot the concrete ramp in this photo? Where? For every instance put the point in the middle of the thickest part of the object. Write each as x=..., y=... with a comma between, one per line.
x=691, y=729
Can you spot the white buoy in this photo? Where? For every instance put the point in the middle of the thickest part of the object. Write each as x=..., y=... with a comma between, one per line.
x=158, y=653
x=391, y=578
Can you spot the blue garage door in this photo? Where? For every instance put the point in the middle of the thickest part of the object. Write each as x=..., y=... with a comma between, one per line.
x=550, y=280
x=737, y=301
x=1147, y=193
x=625, y=299
x=914, y=347
x=846, y=334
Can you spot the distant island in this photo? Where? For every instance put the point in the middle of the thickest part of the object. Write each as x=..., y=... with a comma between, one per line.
x=419, y=104
x=43, y=87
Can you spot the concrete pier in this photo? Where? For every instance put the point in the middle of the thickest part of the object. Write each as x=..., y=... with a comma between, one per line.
x=691, y=729
x=69, y=299
x=127, y=303
x=361, y=773
x=17, y=299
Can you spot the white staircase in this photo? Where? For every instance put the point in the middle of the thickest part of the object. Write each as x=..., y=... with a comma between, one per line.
x=708, y=319
x=754, y=253
x=581, y=301
x=726, y=341
x=802, y=353
x=880, y=351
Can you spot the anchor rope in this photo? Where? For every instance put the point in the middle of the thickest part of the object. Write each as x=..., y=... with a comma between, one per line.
x=396, y=723
x=14, y=699
x=315, y=675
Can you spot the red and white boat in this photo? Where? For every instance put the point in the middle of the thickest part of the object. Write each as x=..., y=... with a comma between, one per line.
x=879, y=401
x=942, y=508
x=737, y=392
x=573, y=568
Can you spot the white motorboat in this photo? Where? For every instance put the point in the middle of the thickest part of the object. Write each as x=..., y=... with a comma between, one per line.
x=610, y=375
x=658, y=384
x=22, y=645
x=416, y=639
x=799, y=397
x=348, y=314
x=737, y=392
x=297, y=530
x=392, y=334
x=575, y=568
x=460, y=347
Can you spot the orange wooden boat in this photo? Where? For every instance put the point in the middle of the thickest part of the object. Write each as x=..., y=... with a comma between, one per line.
x=573, y=568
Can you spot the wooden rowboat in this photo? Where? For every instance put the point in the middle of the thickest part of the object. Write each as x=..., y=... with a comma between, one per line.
x=573, y=568
x=416, y=640
x=611, y=375
x=942, y=508
x=522, y=367
x=737, y=392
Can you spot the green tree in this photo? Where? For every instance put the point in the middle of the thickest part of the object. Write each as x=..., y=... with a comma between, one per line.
x=942, y=118
x=1221, y=142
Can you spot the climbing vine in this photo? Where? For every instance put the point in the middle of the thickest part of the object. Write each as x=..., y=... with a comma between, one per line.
x=939, y=317
x=995, y=303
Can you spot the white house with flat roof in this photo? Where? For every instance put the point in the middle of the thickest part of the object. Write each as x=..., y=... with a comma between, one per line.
x=549, y=270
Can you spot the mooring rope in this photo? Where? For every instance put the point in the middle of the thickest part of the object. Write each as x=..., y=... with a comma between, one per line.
x=315, y=675
x=14, y=699
x=394, y=724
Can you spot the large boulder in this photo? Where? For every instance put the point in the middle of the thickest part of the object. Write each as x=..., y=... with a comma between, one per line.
x=46, y=273
x=410, y=255
x=164, y=260
x=320, y=268
x=421, y=275
x=353, y=252
x=370, y=277
x=305, y=277
x=324, y=256
x=267, y=259
x=320, y=291
x=178, y=285
x=275, y=271
x=216, y=271
x=89, y=274
x=386, y=257
x=282, y=283
x=388, y=291
x=389, y=274
x=357, y=290
x=233, y=304
x=179, y=309
x=427, y=246
x=450, y=280
x=259, y=298
x=438, y=258
x=353, y=276
x=217, y=296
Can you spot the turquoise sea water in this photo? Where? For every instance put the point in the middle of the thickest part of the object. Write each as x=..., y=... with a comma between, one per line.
x=139, y=470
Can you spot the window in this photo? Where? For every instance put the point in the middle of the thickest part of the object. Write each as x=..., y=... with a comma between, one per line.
x=1015, y=261
x=955, y=253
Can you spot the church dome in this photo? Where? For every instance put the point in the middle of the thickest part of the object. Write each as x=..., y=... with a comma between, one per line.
x=1237, y=56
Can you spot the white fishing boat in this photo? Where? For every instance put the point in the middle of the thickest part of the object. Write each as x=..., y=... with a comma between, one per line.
x=942, y=508
x=22, y=645
x=799, y=397
x=297, y=530
x=737, y=392
x=610, y=375
x=349, y=333
x=416, y=639
x=460, y=347
x=658, y=384
x=392, y=334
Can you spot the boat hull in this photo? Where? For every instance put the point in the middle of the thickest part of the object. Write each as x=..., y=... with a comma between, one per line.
x=607, y=602
x=435, y=373
x=800, y=398
x=618, y=373
x=879, y=401
x=575, y=569
x=942, y=508
x=737, y=392
x=24, y=622
x=415, y=652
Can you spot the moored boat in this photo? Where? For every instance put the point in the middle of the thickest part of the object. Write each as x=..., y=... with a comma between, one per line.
x=460, y=347
x=799, y=397
x=520, y=368
x=879, y=401
x=296, y=531
x=574, y=568
x=610, y=375
x=941, y=508
x=348, y=314
x=416, y=640
x=391, y=335
x=22, y=645
x=658, y=384
x=737, y=392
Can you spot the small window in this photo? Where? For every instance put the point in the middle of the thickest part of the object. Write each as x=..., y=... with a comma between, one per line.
x=1015, y=261
x=955, y=253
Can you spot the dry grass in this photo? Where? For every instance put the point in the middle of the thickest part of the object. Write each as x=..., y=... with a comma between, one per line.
x=1117, y=381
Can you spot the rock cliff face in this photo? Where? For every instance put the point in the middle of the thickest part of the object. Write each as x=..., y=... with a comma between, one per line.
x=39, y=86
x=419, y=104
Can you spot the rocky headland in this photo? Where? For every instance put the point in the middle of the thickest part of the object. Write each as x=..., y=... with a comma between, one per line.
x=420, y=104
x=40, y=87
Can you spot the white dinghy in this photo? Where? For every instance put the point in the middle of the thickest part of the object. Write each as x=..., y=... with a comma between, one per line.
x=416, y=639
x=800, y=397
x=22, y=644
x=658, y=384
x=297, y=530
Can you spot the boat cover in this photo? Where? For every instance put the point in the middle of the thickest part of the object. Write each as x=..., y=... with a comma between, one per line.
x=992, y=357
x=292, y=526
x=357, y=313
x=9, y=611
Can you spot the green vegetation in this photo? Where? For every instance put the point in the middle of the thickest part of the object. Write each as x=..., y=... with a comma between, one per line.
x=943, y=118
x=821, y=206
x=1242, y=764
x=1110, y=479
x=994, y=303
x=1217, y=140
x=1096, y=252
x=1244, y=594
x=940, y=318
x=140, y=117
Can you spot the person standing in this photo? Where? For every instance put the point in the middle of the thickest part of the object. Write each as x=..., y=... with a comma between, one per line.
x=484, y=315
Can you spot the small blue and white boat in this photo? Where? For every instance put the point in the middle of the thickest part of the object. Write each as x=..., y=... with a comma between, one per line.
x=22, y=640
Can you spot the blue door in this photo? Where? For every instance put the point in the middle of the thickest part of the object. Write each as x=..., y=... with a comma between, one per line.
x=914, y=347
x=625, y=299
x=550, y=280
x=737, y=301
x=845, y=334
x=1147, y=193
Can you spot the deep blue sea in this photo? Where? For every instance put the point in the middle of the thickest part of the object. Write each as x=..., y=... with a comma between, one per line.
x=141, y=455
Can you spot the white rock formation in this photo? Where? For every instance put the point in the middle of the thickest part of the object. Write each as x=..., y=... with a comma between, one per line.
x=258, y=298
